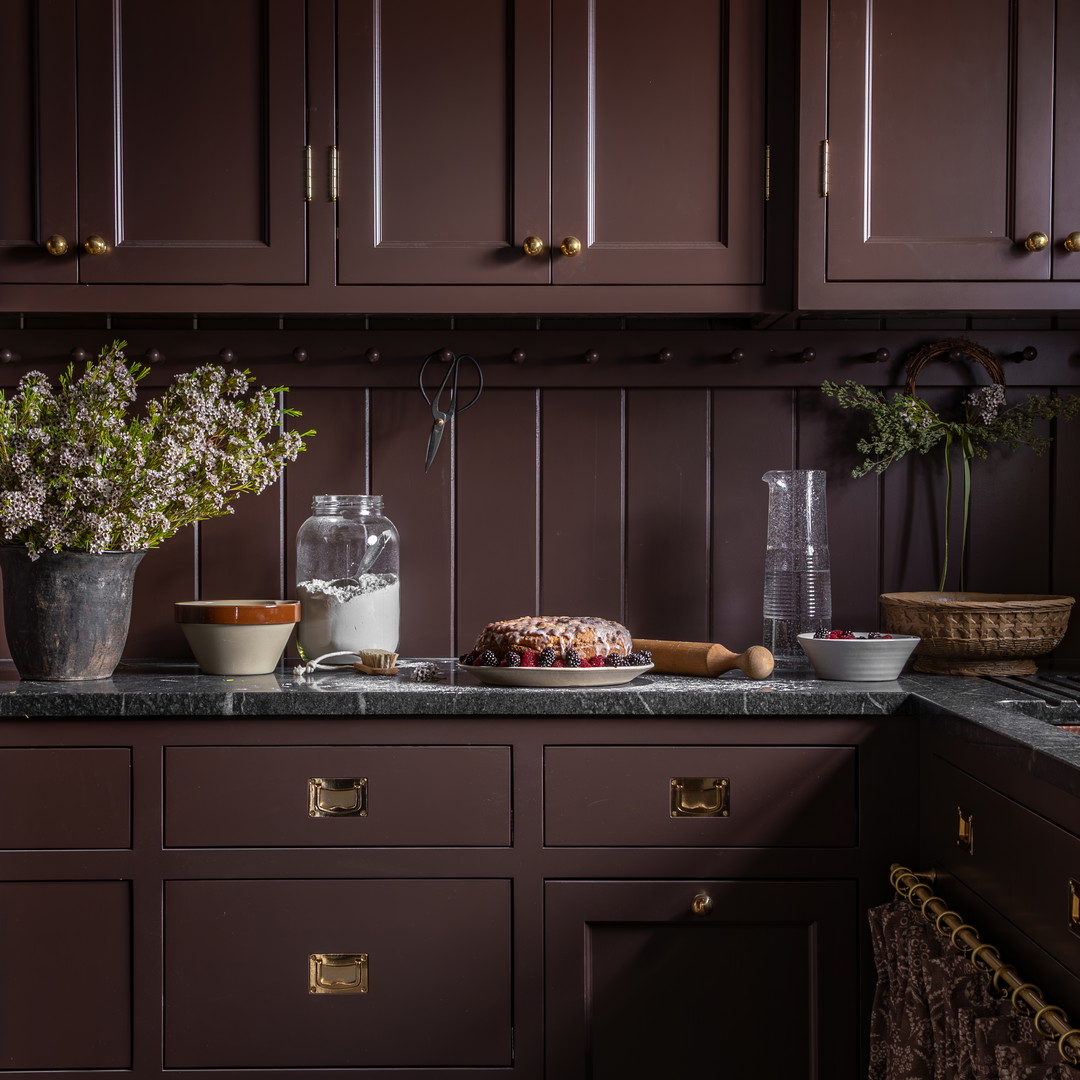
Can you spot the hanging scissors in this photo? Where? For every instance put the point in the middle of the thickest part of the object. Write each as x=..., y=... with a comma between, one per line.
x=442, y=418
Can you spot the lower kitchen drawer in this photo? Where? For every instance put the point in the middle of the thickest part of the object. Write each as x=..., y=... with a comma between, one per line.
x=337, y=974
x=708, y=796
x=1019, y=862
x=337, y=796
x=65, y=980
x=65, y=797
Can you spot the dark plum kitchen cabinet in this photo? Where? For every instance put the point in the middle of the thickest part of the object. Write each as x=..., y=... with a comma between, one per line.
x=536, y=898
x=573, y=142
x=143, y=148
x=938, y=155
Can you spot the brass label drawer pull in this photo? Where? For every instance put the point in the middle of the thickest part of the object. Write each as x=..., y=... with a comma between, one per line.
x=700, y=796
x=1074, y=905
x=338, y=973
x=337, y=796
x=965, y=830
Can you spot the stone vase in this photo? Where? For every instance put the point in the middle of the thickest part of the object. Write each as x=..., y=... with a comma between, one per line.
x=66, y=614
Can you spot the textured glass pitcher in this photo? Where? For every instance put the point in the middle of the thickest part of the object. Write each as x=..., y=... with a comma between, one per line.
x=798, y=585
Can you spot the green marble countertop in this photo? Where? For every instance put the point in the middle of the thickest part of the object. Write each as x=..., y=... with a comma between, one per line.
x=149, y=689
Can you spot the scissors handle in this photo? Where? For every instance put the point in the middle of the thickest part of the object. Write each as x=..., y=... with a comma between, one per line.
x=452, y=374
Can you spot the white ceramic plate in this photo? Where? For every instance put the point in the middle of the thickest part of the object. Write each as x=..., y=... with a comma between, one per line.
x=554, y=676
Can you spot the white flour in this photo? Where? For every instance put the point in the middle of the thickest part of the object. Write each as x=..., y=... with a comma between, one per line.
x=349, y=615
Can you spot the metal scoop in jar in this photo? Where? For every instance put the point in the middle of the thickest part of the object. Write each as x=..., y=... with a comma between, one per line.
x=375, y=544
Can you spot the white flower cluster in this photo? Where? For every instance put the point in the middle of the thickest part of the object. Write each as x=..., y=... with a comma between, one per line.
x=987, y=402
x=78, y=471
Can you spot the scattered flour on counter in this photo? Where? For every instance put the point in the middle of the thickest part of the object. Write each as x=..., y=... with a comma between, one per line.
x=337, y=616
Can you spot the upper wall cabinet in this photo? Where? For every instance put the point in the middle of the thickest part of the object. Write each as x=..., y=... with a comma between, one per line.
x=524, y=142
x=150, y=143
x=937, y=155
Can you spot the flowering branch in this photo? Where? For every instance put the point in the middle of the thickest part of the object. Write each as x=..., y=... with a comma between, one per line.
x=78, y=472
x=907, y=423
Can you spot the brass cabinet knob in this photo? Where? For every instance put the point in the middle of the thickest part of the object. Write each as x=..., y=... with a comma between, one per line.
x=57, y=245
x=701, y=904
x=570, y=246
x=1036, y=241
x=1072, y=242
x=95, y=245
x=533, y=245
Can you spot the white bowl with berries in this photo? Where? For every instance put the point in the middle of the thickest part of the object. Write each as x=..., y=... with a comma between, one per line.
x=858, y=655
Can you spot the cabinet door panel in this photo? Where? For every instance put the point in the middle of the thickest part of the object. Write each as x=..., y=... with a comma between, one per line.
x=237, y=974
x=1066, y=144
x=443, y=135
x=37, y=131
x=658, y=148
x=640, y=987
x=940, y=142
x=65, y=984
x=205, y=184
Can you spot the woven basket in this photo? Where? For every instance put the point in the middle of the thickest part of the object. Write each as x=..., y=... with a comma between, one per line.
x=967, y=633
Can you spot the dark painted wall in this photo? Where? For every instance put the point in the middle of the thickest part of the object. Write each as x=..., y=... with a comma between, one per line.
x=628, y=487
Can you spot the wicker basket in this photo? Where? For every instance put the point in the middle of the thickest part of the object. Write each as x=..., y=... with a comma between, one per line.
x=967, y=633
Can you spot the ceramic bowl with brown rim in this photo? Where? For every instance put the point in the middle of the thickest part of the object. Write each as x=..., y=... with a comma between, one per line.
x=237, y=637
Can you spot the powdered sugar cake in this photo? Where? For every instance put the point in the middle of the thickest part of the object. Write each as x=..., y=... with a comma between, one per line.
x=587, y=635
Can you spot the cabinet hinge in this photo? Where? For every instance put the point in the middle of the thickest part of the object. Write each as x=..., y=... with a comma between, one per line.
x=768, y=168
x=824, y=168
x=333, y=170
x=307, y=174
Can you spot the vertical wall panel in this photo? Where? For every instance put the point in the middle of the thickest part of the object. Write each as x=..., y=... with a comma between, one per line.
x=668, y=514
x=239, y=554
x=1065, y=524
x=419, y=504
x=581, y=535
x=496, y=523
x=165, y=575
x=750, y=435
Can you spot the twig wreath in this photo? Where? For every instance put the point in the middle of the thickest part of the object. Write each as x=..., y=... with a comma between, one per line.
x=908, y=423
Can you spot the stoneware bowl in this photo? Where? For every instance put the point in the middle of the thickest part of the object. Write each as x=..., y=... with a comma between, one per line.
x=859, y=659
x=237, y=637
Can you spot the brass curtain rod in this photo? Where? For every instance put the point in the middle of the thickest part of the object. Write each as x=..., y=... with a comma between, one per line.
x=1051, y=1021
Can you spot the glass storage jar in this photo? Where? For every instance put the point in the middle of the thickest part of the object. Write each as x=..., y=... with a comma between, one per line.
x=347, y=578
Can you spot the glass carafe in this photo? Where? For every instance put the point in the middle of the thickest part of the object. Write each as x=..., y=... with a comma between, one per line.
x=347, y=578
x=798, y=585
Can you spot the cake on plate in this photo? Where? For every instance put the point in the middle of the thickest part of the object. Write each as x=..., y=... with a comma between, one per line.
x=554, y=641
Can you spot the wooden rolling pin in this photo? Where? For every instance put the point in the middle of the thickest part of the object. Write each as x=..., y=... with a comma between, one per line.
x=701, y=658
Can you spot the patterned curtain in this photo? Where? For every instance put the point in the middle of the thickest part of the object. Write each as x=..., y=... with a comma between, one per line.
x=936, y=1018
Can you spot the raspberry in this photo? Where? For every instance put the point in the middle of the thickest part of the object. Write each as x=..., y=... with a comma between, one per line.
x=512, y=659
x=558, y=662
x=528, y=658
x=572, y=658
x=488, y=659
x=596, y=661
x=469, y=657
x=547, y=657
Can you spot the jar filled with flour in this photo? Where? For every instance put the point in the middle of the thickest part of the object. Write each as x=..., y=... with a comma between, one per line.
x=347, y=578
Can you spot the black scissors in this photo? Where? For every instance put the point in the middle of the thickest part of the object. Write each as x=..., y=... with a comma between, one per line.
x=450, y=381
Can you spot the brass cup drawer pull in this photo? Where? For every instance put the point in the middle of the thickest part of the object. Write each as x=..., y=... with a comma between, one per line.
x=338, y=973
x=965, y=830
x=700, y=796
x=337, y=796
x=1074, y=905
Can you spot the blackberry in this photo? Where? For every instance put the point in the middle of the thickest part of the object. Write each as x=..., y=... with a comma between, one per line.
x=488, y=659
x=513, y=659
x=547, y=657
x=615, y=660
x=469, y=657
x=639, y=659
x=572, y=658
x=821, y=632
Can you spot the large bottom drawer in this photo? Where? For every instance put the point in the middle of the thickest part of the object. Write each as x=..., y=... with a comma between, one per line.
x=337, y=973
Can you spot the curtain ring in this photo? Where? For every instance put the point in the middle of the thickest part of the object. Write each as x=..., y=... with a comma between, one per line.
x=1005, y=969
x=1023, y=1007
x=912, y=899
x=937, y=922
x=962, y=947
x=974, y=957
x=928, y=900
x=1072, y=1054
x=1039, y=1015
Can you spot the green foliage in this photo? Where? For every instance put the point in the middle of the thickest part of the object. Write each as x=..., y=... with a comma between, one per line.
x=79, y=471
x=905, y=423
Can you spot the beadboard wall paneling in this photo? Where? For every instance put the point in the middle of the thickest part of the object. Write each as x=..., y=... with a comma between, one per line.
x=626, y=487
